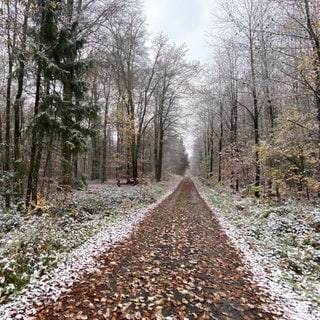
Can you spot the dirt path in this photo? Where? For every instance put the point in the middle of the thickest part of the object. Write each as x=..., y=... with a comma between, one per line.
x=177, y=265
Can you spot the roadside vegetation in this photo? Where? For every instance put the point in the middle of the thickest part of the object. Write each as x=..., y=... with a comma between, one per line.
x=37, y=241
x=284, y=238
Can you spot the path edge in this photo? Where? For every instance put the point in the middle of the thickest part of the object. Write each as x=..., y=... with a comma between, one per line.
x=60, y=280
x=266, y=284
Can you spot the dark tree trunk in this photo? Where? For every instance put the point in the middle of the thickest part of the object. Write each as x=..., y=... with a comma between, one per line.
x=66, y=152
x=7, y=147
x=104, y=151
x=234, y=136
x=18, y=163
x=105, y=135
x=158, y=142
x=66, y=164
x=156, y=147
x=134, y=160
x=159, y=159
x=31, y=192
x=220, y=146
x=211, y=152
x=36, y=171
x=255, y=119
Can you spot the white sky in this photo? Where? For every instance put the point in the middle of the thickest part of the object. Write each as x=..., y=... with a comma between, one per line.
x=183, y=21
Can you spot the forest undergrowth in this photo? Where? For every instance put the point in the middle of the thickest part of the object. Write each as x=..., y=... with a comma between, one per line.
x=37, y=241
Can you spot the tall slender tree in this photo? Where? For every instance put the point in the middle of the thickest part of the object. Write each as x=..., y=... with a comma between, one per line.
x=136, y=78
x=174, y=76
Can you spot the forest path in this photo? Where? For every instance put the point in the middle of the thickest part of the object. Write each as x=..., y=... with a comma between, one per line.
x=178, y=264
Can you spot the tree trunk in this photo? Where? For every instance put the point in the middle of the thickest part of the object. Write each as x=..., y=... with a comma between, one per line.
x=104, y=149
x=156, y=147
x=18, y=104
x=95, y=162
x=211, y=152
x=206, y=154
x=47, y=167
x=159, y=159
x=36, y=171
x=234, y=135
x=105, y=135
x=255, y=119
x=66, y=153
x=31, y=192
x=134, y=161
x=66, y=164
x=220, y=146
x=7, y=148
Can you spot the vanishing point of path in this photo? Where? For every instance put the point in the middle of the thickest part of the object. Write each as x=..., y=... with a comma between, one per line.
x=178, y=264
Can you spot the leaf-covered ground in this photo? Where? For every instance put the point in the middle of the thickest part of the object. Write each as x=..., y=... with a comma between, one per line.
x=280, y=241
x=178, y=264
x=35, y=243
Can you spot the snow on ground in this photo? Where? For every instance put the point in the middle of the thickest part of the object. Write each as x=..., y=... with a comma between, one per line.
x=48, y=284
x=280, y=244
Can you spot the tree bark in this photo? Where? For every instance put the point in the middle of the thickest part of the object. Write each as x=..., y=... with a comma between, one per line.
x=7, y=147
x=220, y=145
x=18, y=104
x=255, y=116
x=105, y=128
x=159, y=154
x=31, y=192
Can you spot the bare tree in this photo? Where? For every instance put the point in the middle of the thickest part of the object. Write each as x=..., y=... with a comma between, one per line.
x=247, y=17
x=174, y=76
x=136, y=79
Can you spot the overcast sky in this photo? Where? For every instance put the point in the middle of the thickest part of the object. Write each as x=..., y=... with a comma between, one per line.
x=183, y=21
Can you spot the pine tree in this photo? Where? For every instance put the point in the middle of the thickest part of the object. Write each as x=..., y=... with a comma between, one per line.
x=62, y=108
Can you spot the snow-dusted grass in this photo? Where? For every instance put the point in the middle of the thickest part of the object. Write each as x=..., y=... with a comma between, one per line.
x=281, y=244
x=64, y=238
x=43, y=254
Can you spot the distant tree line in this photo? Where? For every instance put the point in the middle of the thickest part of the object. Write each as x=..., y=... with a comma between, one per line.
x=259, y=102
x=84, y=94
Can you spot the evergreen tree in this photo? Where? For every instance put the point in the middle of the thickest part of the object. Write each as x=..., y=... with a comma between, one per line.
x=61, y=111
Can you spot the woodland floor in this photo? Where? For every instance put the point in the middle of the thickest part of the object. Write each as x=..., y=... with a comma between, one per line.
x=177, y=264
